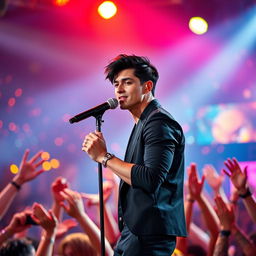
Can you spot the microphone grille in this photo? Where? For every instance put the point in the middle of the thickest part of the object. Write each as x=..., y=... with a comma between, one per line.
x=113, y=103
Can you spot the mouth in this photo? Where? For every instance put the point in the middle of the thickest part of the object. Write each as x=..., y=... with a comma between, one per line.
x=122, y=98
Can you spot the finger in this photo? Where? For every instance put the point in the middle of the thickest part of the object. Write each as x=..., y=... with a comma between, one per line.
x=246, y=172
x=39, y=172
x=66, y=208
x=25, y=156
x=39, y=163
x=92, y=136
x=202, y=180
x=227, y=173
x=236, y=164
x=228, y=166
x=231, y=163
x=35, y=157
x=99, y=134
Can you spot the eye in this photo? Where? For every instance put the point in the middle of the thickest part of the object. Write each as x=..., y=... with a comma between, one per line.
x=128, y=82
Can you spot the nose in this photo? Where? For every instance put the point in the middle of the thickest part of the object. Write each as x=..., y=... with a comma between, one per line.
x=120, y=88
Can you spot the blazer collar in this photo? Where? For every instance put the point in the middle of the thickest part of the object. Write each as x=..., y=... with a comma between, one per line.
x=153, y=105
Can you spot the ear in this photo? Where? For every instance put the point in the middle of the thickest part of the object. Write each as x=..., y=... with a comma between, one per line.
x=148, y=86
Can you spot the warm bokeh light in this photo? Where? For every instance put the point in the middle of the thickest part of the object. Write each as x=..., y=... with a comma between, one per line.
x=46, y=166
x=14, y=168
x=107, y=9
x=45, y=156
x=60, y=2
x=198, y=25
x=55, y=163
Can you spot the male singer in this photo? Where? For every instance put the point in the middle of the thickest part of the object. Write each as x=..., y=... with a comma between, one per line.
x=150, y=209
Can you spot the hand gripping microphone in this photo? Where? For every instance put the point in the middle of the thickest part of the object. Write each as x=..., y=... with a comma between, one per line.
x=96, y=111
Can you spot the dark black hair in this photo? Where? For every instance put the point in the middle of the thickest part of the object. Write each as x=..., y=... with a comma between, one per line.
x=143, y=69
x=17, y=247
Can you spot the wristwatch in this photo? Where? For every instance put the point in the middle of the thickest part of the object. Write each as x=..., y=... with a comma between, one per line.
x=107, y=157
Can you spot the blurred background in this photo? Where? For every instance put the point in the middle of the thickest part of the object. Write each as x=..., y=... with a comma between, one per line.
x=52, y=58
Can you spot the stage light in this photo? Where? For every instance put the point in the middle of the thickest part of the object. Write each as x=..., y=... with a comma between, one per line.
x=14, y=168
x=107, y=9
x=60, y=2
x=55, y=163
x=46, y=166
x=45, y=156
x=198, y=25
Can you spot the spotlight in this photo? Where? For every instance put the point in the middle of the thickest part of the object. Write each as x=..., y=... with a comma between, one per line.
x=60, y=2
x=107, y=9
x=198, y=25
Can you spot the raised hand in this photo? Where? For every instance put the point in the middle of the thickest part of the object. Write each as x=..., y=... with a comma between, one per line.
x=57, y=186
x=93, y=199
x=213, y=178
x=18, y=223
x=237, y=176
x=75, y=205
x=225, y=213
x=28, y=169
x=194, y=185
x=45, y=219
x=65, y=226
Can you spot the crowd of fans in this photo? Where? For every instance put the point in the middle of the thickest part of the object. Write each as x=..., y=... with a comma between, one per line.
x=221, y=234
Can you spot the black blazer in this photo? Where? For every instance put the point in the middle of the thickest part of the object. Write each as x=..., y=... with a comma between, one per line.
x=153, y=204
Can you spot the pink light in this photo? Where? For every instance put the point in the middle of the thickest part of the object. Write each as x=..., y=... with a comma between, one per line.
x=13, y=127
x=58, y=141
x=66, y=117
x=1, y=124
x=36, y=112
x=205, y=150
x=26, y=128
x=18, y=92
x=11, y=102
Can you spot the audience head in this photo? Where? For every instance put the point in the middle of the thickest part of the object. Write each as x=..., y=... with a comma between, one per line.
x=76, y=244
x=17, y=247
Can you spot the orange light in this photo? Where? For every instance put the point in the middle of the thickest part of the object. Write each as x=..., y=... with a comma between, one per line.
x=60, y=2
x=55, y=163
x=14, y=168
x=107, y=10
x=45, y=156
x=46, y=166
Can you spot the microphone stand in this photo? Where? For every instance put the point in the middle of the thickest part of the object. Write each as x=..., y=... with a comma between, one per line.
x=99, y=121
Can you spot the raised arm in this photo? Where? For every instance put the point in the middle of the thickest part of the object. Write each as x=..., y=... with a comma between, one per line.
x=48, y=222
x=75, y=208
x=111, y=226
x=215, y=181
x=17, y=224
x=28, y=170
x=239, y=180
x=209, y=215
x=227, y=219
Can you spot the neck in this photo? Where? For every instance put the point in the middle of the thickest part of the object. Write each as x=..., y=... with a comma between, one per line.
x=137, y=110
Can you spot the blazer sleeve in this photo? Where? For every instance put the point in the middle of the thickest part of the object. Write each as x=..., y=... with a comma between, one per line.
x=161, y=136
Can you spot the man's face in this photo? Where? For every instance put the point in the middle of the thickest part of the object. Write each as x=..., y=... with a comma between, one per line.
x=128, y=89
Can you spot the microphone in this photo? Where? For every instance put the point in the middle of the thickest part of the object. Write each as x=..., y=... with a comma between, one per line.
x=112, y=103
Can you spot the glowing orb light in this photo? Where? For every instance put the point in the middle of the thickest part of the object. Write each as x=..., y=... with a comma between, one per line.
x=107, y=9
x=198, y=25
